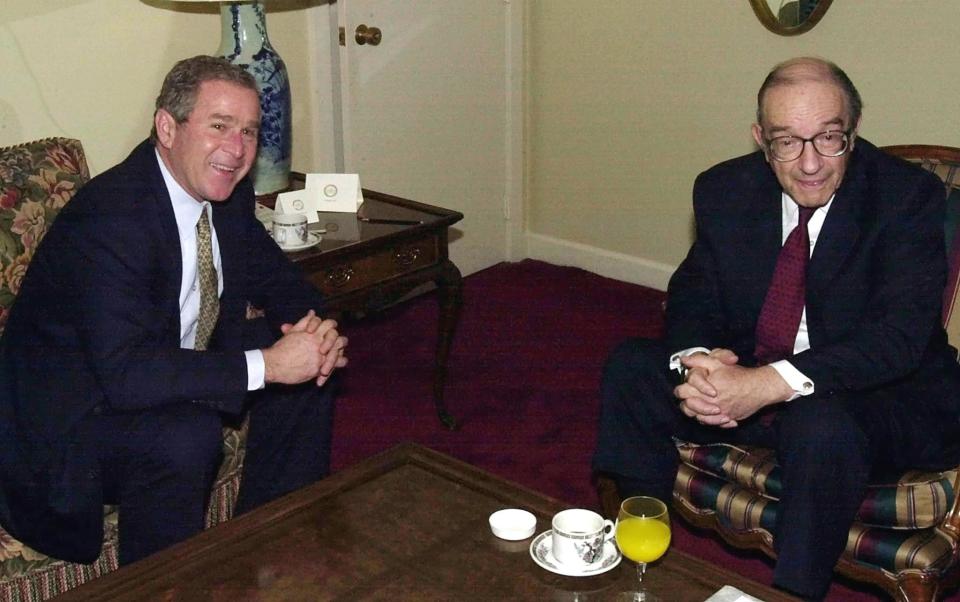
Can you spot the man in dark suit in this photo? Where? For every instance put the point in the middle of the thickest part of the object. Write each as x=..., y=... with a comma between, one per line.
x=857, y=376
x=128, y=343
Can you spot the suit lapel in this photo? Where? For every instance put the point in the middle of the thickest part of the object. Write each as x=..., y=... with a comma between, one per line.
x=841, y=229
x=226, y=237
x=760, y=243
x=166, y=221
x=228, y=222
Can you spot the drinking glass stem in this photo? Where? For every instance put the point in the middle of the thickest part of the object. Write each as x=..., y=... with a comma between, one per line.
x=641, y=569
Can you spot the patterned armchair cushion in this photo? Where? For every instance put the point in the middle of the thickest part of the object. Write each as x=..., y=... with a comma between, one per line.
x=227, y=484
x=36, y=181
x=26, y=575
x=917, y=500
x=895, y=529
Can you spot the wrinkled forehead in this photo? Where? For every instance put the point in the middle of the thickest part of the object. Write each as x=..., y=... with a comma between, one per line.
x=814, y=100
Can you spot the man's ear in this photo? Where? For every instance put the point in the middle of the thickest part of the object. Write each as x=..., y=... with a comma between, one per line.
x=166, y=127
x=757, y=132
x=853, y=134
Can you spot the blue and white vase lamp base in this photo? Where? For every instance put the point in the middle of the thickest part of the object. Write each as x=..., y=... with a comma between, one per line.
x=244, y=42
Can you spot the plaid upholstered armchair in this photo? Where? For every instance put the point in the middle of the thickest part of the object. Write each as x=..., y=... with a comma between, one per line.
x=36, y=180
x=906, y=537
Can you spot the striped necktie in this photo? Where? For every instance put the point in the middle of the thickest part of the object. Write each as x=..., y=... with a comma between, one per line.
x=207, y=276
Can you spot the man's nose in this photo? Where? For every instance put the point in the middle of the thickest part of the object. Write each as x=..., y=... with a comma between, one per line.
x=233, y=144
x=810, y=159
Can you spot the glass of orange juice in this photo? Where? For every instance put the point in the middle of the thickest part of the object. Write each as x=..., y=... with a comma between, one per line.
x=643, y=535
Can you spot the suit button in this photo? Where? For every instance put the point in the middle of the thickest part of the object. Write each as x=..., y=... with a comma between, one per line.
x=98, y=410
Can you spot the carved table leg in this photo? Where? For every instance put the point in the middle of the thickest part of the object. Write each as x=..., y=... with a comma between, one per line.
x=449, y=295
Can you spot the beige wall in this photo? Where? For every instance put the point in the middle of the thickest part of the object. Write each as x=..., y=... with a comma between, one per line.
x=90, y=69
x=629, y=100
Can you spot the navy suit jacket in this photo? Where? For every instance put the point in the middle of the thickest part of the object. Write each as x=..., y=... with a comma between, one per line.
x=874, y=283
x=97, y=323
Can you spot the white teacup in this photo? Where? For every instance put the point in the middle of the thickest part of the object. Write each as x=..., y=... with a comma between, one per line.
x=290, y=229
x=579, y=536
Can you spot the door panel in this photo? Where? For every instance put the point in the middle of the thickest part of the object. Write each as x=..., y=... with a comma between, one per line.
x=425, y=111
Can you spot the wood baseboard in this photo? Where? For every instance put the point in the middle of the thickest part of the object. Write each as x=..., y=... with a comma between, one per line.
x=618, y=266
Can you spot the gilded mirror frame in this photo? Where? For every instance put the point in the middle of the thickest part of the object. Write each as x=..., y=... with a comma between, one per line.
x=769, y=20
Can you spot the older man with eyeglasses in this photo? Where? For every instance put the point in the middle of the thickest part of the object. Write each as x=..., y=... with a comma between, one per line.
x=805, y=317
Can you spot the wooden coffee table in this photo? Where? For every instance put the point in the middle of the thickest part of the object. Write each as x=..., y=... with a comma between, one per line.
x=409, y=524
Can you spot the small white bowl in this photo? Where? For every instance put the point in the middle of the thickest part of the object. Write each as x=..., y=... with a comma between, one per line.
x=512, y=524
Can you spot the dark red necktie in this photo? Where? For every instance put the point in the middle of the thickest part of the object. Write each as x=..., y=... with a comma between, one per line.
x=783, y=307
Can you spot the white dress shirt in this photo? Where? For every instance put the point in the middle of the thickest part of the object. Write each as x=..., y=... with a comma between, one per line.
x=187, y=211
x=790, y=217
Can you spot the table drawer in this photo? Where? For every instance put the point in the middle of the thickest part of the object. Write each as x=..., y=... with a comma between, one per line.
x=378, y=267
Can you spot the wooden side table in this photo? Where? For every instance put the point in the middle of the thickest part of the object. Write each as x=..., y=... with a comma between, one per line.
x=370, y=260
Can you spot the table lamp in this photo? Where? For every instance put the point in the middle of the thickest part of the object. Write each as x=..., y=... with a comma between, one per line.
x=244, y=42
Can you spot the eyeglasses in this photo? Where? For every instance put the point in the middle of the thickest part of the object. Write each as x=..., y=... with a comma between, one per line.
x=832, y=143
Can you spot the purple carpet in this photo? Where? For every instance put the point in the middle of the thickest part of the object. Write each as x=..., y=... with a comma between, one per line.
x=523, y=378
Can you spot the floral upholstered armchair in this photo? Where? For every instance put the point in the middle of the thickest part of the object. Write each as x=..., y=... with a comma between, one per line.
x=36, y=180
x=906, y=537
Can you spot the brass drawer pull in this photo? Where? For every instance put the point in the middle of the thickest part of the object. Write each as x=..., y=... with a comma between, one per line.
x=405, y=257
x=339, y=275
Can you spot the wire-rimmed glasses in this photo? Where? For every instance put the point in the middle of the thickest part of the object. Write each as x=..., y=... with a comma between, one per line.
x=831, y=143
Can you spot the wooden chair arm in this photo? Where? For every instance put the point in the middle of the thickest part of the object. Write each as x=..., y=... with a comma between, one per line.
x=951, y=522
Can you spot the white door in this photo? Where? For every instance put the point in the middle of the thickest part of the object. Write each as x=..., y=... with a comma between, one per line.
x=428, y=113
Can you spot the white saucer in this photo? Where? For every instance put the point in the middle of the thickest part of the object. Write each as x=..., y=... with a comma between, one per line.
x=313, y=239
x=540, y=551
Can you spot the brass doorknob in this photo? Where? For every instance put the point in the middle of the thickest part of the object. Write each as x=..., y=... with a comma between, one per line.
x=368, y=35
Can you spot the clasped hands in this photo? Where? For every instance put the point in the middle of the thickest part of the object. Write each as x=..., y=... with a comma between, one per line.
x=310, y=349
x=720, y=392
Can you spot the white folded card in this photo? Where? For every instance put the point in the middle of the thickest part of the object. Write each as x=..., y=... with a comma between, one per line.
x=728, y=593
x=337, y=192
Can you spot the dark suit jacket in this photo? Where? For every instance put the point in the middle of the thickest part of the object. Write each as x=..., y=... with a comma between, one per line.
x=97, y=323
x=874, y=283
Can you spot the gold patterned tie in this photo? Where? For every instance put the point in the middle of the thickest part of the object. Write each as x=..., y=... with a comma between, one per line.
x=207, y=275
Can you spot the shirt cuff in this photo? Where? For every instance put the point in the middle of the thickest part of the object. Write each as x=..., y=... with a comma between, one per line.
x=797, y=380
x=256, y=370
x=676, y=357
